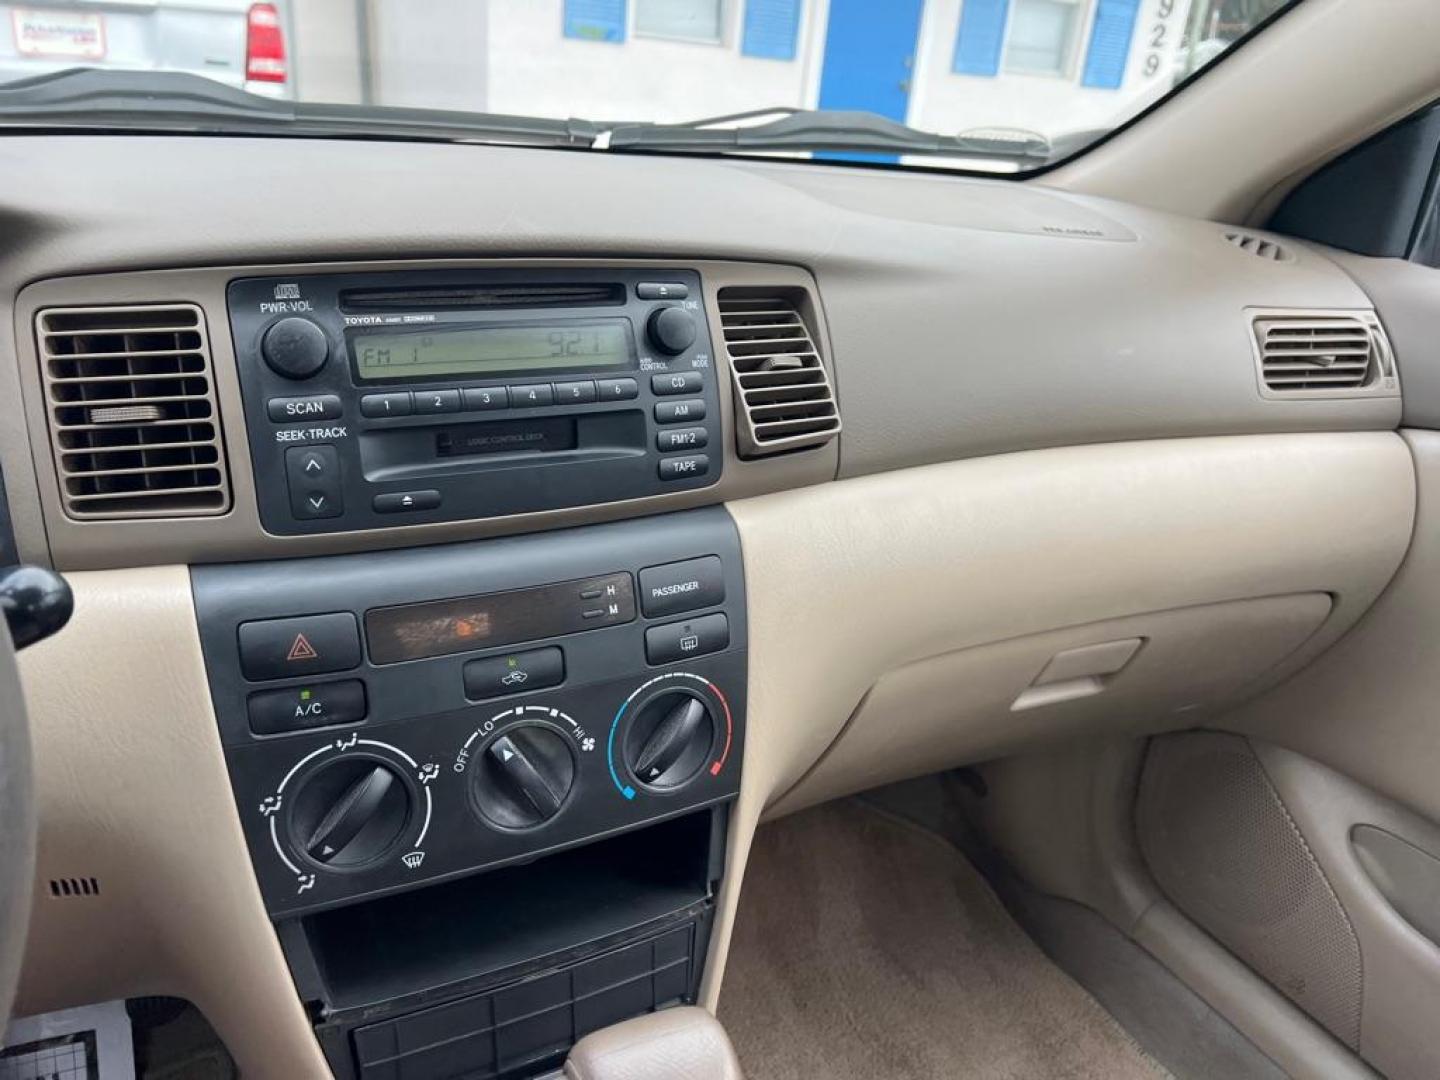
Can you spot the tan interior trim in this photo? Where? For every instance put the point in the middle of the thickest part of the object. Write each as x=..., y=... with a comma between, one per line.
x=1229, y=146
x=131, y=790
x=848, y=581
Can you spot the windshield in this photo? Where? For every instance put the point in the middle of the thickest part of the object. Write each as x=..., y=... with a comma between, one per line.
x=1001, y=85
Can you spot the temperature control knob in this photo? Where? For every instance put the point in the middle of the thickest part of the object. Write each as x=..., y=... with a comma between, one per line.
x=295, y=348
x=524, y=777
x=670, y=740
x=671, y=330
x=350, y=813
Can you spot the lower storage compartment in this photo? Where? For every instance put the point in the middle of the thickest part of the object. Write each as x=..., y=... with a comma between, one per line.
x=532, y=1023
x=497, y=975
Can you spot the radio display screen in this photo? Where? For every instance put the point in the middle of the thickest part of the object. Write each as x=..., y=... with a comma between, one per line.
x=483, y=351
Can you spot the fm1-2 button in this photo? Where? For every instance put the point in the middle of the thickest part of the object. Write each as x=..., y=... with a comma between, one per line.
x=295, y=708
x=306, y=645
x=691, y=637
x=684, y=468
x=690, y=438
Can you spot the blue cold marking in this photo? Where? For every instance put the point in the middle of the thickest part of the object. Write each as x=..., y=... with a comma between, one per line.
x=628, y=792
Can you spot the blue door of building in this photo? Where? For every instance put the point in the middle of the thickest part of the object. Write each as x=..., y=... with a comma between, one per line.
x=870, y=60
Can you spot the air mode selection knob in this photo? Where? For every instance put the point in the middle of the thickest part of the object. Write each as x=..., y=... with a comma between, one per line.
x=295, y=348
x=350, y=813
x=524, y=778
x=671, y=330
x=670, y=740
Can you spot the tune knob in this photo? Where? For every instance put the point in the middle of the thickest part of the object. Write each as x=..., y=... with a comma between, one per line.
x=525, y=775
x=350, y=813
x=295, y=348
x=669, y=740
x=671, y=329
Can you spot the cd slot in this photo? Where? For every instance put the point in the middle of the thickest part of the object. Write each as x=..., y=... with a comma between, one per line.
x=434, y=450
x=471, y=297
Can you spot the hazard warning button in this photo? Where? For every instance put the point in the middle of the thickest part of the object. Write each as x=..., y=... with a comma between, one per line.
x=308, y=645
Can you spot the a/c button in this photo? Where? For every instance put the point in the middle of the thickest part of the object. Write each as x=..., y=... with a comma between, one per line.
x=273, y=712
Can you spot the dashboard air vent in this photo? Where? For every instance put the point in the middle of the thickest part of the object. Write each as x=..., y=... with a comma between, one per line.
x=1322, y=353
x=1259, y=246
x=783, y=394
x=131, y=404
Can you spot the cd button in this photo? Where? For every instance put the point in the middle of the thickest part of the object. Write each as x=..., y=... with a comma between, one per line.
x=580, y=392
x=681, y=468
x=679, y=412
x=405, y=502
x=486, y=397
x=689, y=438
x=677, y=382
x=617, y=389
x=437, y=401
x=524, y=397
x=376, y=406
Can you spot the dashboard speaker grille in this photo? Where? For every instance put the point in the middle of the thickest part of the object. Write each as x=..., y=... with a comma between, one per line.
x=131, y=403
x=783, y=392
x=1322, y=352
x=1259, y=246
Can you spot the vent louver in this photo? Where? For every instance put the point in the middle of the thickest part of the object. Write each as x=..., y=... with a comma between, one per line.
x=783, y=394
x=1259, y=246
x=1322, y=353
x=131, y=405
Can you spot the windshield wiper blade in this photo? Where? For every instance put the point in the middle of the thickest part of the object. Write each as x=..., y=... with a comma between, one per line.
x=801, y=130
x=169, y=101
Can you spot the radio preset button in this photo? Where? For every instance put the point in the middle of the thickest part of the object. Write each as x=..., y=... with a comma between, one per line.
x=405, y=502
x=378, y=406
x=682, y=468
x=680, y=412
x=677, y=382
x=662, y=290
x=617, y=389
x=291, y=410
x=690, y=637
x=689, y=438
x=486, y=397
x=531, y=394
x=579, y=392
x=437, y=401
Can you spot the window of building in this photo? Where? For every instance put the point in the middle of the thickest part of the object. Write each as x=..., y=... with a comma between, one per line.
x=681, y=20
x=1041, y=37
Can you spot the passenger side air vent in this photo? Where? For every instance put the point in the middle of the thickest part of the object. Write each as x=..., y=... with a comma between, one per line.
x=131, y=404
x=783, y=395
x=1322, y=354
x=1260, y=247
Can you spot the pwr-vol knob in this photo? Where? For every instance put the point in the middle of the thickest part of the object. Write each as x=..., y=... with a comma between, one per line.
x=295, y=348
x=525, y=775
x=670, y=740
x=350, y=813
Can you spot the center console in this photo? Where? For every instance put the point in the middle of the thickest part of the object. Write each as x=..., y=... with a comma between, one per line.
x=484, y=785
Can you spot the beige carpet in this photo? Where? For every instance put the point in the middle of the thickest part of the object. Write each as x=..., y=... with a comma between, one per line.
x=867, y=948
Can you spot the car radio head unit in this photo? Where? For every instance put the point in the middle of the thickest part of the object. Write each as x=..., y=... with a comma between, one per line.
x=383, y=399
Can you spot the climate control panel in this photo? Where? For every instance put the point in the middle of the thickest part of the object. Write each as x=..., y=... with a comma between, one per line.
x=391, y=720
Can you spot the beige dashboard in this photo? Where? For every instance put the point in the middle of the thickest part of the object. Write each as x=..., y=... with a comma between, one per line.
x=1060, y=504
